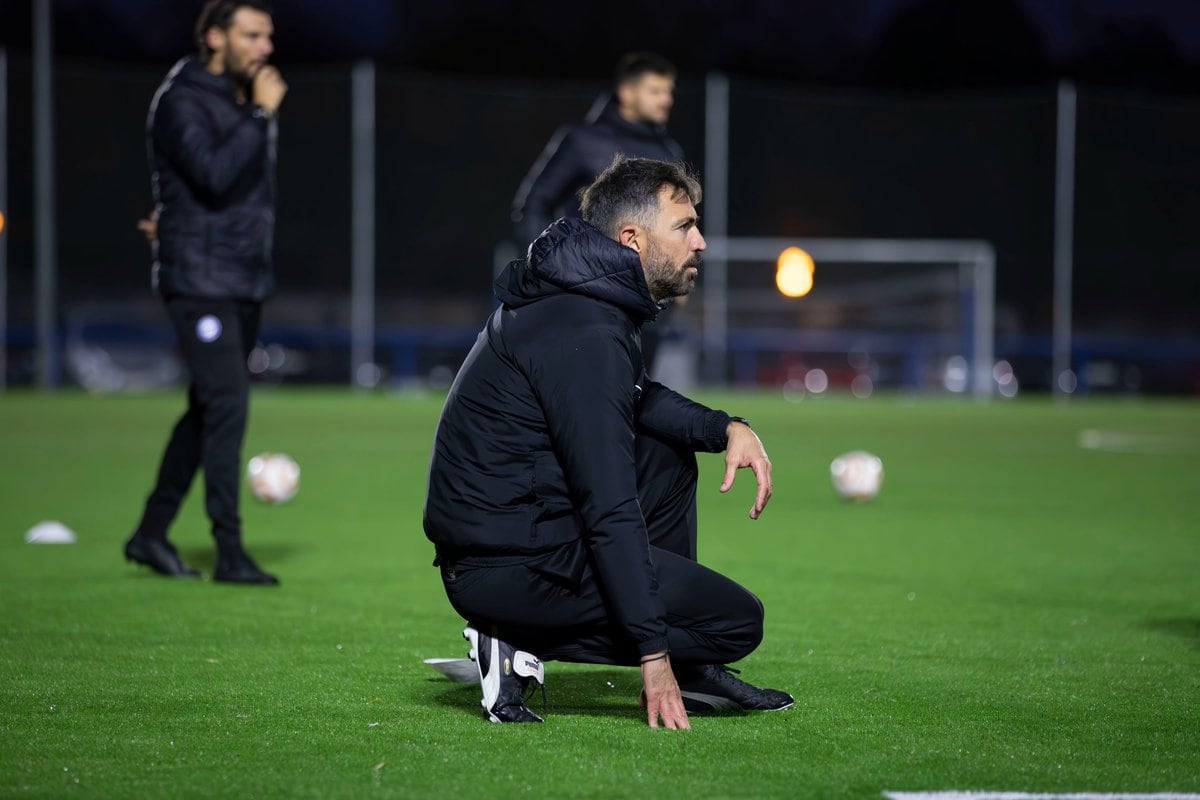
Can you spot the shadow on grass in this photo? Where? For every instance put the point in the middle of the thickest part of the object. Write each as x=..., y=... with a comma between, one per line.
x=588, y=693
x=1184, y=628
x=267, y=555
x=204, y=559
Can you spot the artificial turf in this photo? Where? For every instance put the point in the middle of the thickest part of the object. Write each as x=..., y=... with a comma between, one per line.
x=1013, y=612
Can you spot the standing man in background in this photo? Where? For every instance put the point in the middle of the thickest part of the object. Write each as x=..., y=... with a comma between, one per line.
x=632, y=121
x=211, y=135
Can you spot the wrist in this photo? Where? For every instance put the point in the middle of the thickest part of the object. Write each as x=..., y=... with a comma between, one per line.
x=732, y=420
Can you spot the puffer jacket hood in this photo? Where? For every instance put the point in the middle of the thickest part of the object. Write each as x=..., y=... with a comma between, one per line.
x=573, y=257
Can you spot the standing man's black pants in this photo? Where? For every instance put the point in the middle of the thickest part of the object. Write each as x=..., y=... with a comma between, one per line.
x=216, y=336
x=710, y=618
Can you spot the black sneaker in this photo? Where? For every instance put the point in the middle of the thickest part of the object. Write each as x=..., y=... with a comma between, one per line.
x=504, y=674
x=235, y=566
x=159, y=555
x=712, y=688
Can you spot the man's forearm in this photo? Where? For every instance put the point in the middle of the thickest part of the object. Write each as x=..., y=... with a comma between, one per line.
x=669, y=415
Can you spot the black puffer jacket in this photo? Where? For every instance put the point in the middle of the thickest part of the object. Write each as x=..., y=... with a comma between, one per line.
x=212, y=162
x=575, y=156
x=534, y=454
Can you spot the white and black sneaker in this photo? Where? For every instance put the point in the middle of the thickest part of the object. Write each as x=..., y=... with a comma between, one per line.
x=712, y=688
x=504, y=674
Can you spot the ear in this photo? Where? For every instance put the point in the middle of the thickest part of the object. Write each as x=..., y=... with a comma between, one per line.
x=214, y=37
x=632, y=238
x=624, y=93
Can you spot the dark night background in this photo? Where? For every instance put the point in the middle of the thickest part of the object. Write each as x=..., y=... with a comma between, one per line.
x=863, y=118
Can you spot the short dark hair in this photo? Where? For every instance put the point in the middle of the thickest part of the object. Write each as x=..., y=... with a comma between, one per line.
x=633, y=66
x=627, y=191
x=219, y=14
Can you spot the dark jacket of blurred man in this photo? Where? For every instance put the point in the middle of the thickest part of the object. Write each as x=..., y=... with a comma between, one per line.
x=211, y=142
x=562, y=485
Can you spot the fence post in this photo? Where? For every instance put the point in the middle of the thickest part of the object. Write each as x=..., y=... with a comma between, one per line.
x=364, y=372
x=716, y=226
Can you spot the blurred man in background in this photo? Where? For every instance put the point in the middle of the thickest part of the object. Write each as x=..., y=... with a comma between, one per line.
x=631, y=121
x=562, y=485
x=211, y=136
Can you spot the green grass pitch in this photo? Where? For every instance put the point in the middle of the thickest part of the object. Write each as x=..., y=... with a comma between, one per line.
x=1014, y=611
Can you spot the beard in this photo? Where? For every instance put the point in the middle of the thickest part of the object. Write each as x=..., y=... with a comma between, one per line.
x=665, y=279
x=241, y=71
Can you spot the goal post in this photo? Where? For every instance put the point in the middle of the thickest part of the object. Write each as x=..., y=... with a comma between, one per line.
x=975, y=260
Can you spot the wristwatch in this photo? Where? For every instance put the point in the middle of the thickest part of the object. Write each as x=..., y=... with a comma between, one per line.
x=742, y=420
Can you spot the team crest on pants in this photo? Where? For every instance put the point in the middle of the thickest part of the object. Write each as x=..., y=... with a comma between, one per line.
x=208, y=328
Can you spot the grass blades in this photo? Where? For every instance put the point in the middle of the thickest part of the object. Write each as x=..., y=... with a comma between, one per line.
x=1014, y=611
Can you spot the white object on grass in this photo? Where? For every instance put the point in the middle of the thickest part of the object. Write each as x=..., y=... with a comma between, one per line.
x=977, y=794
x=459, y=670
x=273, y=477
x=50, y=532
x=857, y=475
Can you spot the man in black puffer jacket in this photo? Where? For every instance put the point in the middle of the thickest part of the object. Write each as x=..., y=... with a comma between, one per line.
x=211, y=141
x=562, y=485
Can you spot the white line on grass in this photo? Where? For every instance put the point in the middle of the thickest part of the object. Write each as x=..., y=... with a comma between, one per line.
x=986, y=795
x=1129, y=442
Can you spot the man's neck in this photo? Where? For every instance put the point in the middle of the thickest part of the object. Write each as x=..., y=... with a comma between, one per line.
x=628, y=114
x=216, y=66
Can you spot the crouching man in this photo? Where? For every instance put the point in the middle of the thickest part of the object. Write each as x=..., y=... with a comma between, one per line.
x=562, y=485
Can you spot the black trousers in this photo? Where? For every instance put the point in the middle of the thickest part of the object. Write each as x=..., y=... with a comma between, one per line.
x=216, y=336
x=710, y=618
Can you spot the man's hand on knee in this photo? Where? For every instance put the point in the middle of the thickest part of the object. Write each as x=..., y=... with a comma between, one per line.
x=745, y=449
x=661, y=693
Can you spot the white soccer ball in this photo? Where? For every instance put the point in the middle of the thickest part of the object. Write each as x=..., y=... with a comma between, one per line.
x=273, y=477
x=857, y=475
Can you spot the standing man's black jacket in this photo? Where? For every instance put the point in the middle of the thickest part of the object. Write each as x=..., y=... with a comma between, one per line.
x=534, y=454
x=575, y=156
x=213, y=163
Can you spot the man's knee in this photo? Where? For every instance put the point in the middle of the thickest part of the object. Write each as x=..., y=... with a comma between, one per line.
x=667, y=479
x=226, y=400
x=748, y=635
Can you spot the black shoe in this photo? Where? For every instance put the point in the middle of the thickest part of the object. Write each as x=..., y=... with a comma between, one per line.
x=159, y=555
x=237, y=567
x=504, y=674
x=708, y=688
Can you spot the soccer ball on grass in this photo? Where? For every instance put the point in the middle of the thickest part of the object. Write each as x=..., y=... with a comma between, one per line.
x=857, y=475
x=273, y=477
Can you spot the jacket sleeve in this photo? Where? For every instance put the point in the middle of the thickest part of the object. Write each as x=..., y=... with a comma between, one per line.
x=668, y=414
x=585, y=390
x=207, y=158
x=550, y=181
